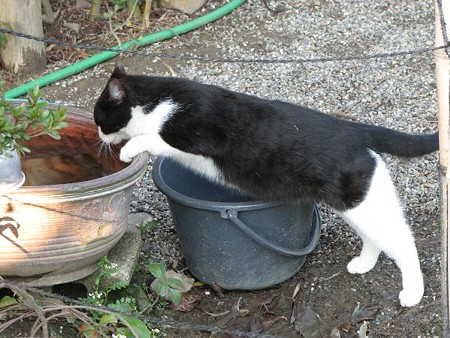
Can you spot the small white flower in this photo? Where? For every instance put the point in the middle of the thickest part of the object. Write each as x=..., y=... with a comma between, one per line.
x=118, y=336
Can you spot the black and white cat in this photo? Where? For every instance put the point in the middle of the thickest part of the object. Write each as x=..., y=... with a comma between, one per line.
x=273, y=150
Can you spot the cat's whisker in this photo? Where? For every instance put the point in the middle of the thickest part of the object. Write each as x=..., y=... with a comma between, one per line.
x=99, y=151
x=101, y=147
x=105, y=149
x=108, y=150
x=112, y=152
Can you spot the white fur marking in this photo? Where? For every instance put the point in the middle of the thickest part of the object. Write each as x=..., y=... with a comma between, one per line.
x=143, y=131
x=380, y=222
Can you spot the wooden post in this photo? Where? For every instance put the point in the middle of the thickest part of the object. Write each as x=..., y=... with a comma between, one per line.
x=443, y=92
x=20, y=54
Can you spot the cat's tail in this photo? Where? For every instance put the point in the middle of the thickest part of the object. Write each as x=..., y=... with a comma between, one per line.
x=400, y=144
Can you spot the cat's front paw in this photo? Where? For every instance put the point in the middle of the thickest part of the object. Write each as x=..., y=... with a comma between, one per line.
x=125, y=157
x=134, y=147
x=128, y=152
x=411, y=297
x=359, y=265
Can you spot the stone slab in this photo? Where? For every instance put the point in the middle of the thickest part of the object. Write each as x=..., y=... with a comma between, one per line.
x=124, y=254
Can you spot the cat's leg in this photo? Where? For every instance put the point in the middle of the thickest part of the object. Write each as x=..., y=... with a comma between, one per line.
x=133, y=147
x=154, y=144
x=367, y=259
x=380, y=222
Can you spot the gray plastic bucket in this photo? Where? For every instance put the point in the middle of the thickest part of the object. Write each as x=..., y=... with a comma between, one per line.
x=231, y=239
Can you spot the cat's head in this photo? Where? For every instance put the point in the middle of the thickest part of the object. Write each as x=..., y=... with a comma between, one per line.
x=112, y=111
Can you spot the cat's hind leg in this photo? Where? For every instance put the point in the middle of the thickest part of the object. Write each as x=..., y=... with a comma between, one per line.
x=379, y=220
x=367, y=259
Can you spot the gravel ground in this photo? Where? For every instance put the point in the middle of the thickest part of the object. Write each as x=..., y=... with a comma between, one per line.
x=397, y=92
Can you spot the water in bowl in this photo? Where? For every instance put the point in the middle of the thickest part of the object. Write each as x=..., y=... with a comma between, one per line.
x=63, y=169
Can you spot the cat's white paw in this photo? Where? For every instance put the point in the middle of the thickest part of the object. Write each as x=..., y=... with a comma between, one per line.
x=411, y=297
x=359, y=265
x=127, y=154
x=132, y=148
x=124, y=157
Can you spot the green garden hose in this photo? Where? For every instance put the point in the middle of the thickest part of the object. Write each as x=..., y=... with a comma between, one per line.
x=139, y=42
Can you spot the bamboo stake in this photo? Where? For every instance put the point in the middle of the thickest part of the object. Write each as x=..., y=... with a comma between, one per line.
x=443, y=92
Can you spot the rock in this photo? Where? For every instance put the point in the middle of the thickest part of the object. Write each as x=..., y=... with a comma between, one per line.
x=137, y=218
x=186, y=6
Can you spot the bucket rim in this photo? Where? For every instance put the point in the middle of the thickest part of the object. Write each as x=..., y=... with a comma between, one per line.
x=199, y=203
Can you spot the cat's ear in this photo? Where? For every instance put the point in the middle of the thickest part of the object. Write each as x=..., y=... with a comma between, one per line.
x=119, y=70
x=116, y=91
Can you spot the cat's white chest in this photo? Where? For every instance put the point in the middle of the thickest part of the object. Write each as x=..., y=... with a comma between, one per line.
x=144, y=129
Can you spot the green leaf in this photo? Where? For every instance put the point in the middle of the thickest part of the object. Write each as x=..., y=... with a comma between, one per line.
x=41, y=104
x=45, y=113
x=162, y=289
x=158, y=270
x=88, y=331
x=108, y=319
x=36, y=93
x=120, y=285
x=54, y=134
x=123, y=307
x=175, y=283
x=7, y=301
x=60, y=125
x=21, y=126
x=179, y=281
x=71, y=320
x=174, y=296
x=138, y=326
x=24, y=149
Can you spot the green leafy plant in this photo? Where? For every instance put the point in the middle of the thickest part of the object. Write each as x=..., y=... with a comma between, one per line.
x=19, y=123
x=99, y=296
x=119, y=4
x=169, y=284
x=116, y=324
x=147, y=227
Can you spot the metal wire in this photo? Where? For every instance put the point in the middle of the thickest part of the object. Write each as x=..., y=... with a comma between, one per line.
x=340, y=58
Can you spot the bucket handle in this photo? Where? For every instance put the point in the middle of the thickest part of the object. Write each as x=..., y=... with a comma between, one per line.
x=232, y=215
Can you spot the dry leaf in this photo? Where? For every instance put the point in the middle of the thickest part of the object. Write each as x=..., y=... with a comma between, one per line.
x=363, y=313
x=296, y=290
x=187, y=303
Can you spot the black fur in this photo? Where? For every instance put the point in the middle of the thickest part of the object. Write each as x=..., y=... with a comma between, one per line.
x=272, y=149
